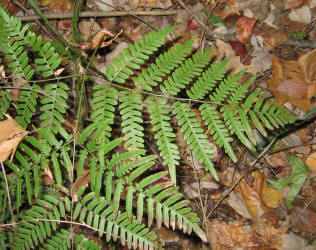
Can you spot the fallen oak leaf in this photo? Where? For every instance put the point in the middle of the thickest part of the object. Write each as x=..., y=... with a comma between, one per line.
x=11, y=134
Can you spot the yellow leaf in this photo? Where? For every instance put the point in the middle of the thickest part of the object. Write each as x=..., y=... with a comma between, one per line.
x=11, y=134
x=311, y=161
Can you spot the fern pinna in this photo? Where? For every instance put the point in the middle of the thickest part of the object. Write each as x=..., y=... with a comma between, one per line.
x=109, y=185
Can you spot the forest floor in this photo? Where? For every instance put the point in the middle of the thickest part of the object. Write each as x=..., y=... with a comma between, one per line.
x=273, y=40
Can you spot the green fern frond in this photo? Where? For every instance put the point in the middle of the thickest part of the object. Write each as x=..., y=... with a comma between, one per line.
x=27, y=105
x=54, y=107
x=226, y=87
x=194, y=136
x=83, y=243
x=160, y=119
x=132, y=121
x=192, y=67
x=217, y=128
x=103, y=107
x=164, y=64
x=235, y=126
x=5, y=100
x=14, y=38
x=208, y=80
x=98, y=213
x=135, y=55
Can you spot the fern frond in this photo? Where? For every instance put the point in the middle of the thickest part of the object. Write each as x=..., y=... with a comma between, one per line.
x=27, y=105
x=192, y=67
x=98, y=212
x=194, y=136
x=235, y=126
x=132, y=121
x=136, y=55
x=83, y=243
x=208, y=80
x=5, y=99
x=14, y=37
x=164, y=134
x=164, y=64
x=54, y=107
x=103, y=106
x=226, y=87
x=217, y=128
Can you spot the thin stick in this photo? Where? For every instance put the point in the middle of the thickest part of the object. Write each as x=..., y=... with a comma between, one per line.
x=101, y=14
x=38, y=22
x=242, y=176
x=8, y=192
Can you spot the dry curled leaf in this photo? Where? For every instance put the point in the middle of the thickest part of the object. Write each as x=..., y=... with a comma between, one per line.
x=274, y=237
x=244, y=28
x=11, y=134
x=257, y=193
x=224, y=236
x=311, y=161
x=294, y=81
x=273, y=38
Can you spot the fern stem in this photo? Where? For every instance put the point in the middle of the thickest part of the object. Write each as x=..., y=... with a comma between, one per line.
x=75, y=30
x=8, y=192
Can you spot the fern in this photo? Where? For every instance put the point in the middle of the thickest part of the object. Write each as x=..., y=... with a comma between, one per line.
x=5, y=99
x=108, y=188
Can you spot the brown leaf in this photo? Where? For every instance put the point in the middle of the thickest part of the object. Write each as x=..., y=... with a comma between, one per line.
x=11, y=134
x=251, y=194
x=228, y=236
x=270, y=197
x=257, y=193
x=273, y=38
x=293, y=3
x=297, y=89
x=307, y=64
x=274, y=237
x=304, y=219
x=244, y=28
x=311, y=161
x=58, y=6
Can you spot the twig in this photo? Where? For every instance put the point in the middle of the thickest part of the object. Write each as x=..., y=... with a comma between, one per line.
x=8, y=192
x=101, y=14
x=17, y=3
x=137, y=17
x=191, y=13
x=242, y=176
x=205, y=25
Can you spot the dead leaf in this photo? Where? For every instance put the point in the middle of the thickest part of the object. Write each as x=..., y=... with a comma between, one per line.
x=302, y=15
x=244, y=28
x=257, y=193
x=58, y=6
x=301, y=86
x=311, y=161
x=11, y=134
x=304, y=219
x=273, y=38
x=289, y=4
x=228, y=236
x=234, y=64
x=269, y=196
x=235, y=201
x=274, y=237
x=297, y=88
x=82, y=181
x=251, y=194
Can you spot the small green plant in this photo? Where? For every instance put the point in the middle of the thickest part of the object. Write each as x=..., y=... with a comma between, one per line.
x=298, y=34
x=297, y=179
x=105, y=181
